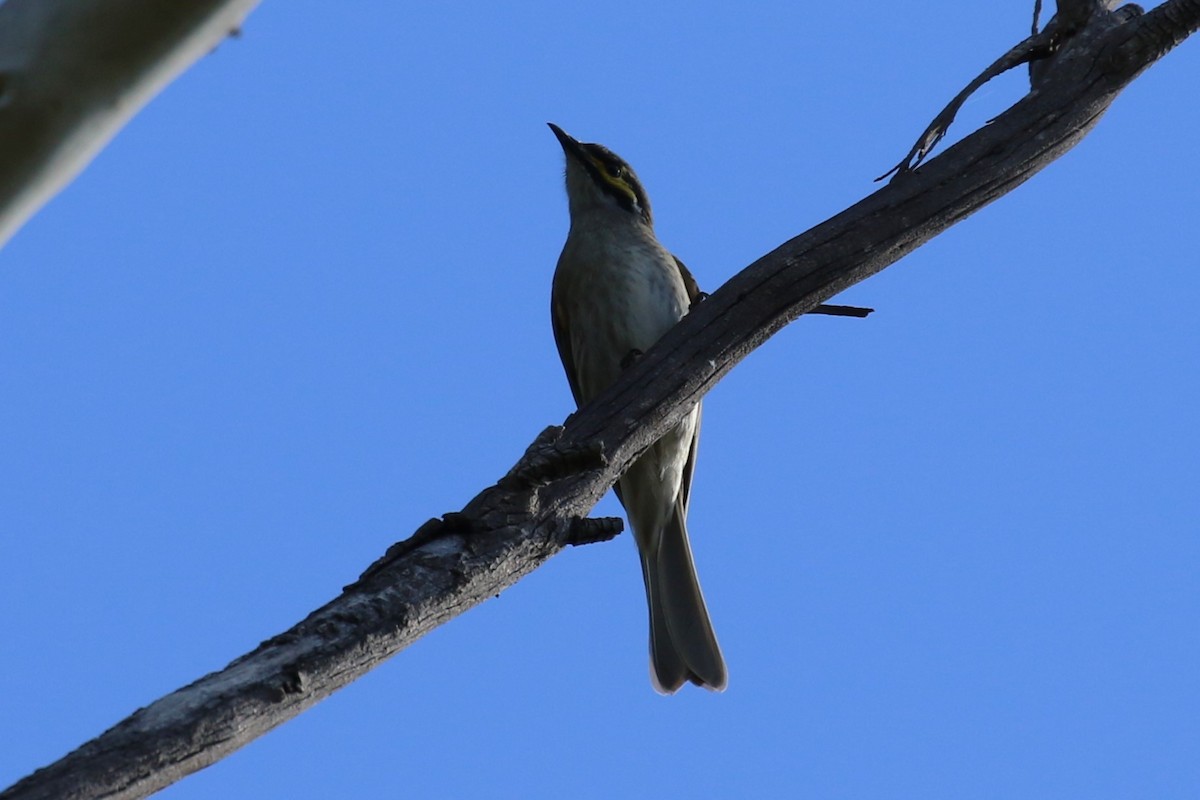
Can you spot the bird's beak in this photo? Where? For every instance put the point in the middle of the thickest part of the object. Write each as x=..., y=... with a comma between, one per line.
x=570, y=146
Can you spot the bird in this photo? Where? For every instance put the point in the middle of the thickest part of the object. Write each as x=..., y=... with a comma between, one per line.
x=616, y=291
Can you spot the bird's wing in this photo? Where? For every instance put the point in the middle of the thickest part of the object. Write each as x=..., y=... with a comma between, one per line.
x=685, y=485
x=562, y=338
x=689, y=282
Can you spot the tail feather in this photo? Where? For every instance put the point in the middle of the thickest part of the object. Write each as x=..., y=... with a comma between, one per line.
x=668, y=672
x=683, y=646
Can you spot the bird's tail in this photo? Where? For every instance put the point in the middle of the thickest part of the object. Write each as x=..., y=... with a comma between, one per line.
x=683, y=646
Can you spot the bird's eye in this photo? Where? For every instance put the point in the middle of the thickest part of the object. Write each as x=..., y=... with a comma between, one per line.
x=617, y=171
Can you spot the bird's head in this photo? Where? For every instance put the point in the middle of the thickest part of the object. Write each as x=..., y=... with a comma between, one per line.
x=598, y=178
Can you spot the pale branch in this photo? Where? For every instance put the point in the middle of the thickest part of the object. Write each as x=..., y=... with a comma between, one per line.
x=512, y=527
x=73, y=72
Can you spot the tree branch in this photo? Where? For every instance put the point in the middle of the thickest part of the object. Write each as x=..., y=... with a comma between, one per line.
x=73, y=72
x=1074, y=14
x=1038, y=46
x=1167, y=25
x=512, y=527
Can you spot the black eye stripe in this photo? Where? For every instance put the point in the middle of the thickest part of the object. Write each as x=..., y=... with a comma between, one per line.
x=606, y=157
x=616, y=168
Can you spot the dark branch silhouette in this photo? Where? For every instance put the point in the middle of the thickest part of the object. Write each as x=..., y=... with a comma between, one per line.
x=509, y=529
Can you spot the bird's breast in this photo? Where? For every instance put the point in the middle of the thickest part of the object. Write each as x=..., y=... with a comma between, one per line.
x=619, y=294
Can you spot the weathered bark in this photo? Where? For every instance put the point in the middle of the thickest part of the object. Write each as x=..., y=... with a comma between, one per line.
x=529, y=515
x=73, y=72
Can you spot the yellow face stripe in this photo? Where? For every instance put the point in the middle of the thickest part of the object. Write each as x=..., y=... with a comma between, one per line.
x=617, y=183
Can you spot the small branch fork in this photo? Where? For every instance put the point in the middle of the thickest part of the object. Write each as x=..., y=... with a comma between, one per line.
x=1073, y=16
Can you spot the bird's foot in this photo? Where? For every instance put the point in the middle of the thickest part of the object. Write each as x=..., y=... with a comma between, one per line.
x=631, y=358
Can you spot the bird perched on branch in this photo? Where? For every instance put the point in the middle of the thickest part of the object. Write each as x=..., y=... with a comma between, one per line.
x=616, y=291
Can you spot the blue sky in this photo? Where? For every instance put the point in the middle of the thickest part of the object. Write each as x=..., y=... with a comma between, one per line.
x=300, y=305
